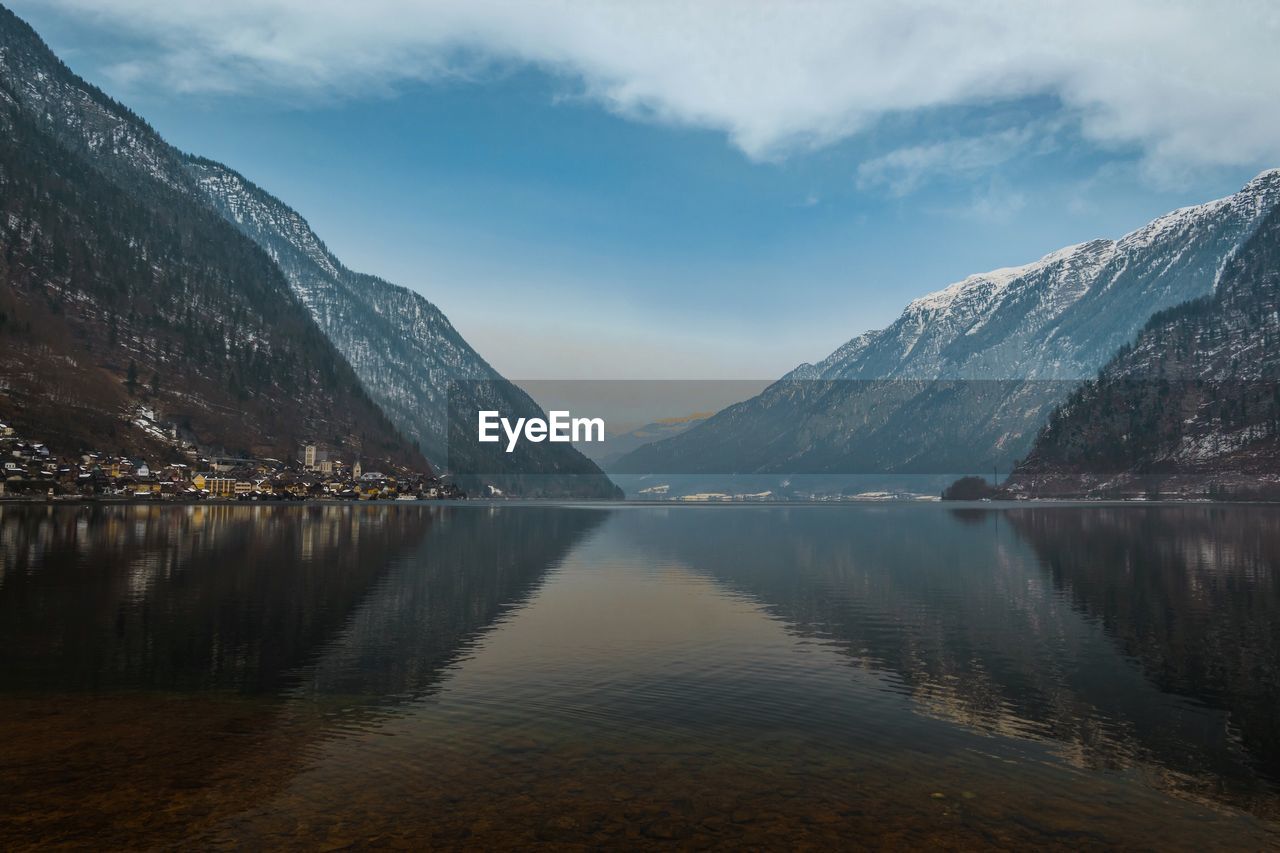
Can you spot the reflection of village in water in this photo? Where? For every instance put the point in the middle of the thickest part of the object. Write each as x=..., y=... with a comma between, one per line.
x=1136, y=645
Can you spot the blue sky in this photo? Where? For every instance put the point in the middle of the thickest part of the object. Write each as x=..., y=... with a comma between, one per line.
x=647, y=209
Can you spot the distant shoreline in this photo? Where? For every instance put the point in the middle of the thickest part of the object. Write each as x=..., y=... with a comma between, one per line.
x=599, y=504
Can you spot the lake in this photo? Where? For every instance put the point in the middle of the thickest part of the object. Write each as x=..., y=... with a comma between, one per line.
x=478, y=676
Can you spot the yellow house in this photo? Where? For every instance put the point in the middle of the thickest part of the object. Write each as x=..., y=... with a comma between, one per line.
x=218, y=487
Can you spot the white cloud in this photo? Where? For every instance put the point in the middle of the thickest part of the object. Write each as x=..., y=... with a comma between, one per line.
x=1187, y=83
x=903, y=170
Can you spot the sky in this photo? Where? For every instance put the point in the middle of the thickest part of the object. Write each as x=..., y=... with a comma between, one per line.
x=696, y=190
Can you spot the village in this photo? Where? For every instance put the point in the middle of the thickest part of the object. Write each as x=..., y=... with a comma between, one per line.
x=31, y=471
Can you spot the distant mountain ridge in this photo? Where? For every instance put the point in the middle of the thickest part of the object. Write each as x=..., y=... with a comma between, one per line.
x=966, y=376
x=616, y=445
x=402, y=348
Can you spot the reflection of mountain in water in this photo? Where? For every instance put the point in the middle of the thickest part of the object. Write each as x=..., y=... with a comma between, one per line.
x=202, y=597
x=369, y=599
x=477, y=565
x=960, y=614
x=236, y=608
x=1192, y=593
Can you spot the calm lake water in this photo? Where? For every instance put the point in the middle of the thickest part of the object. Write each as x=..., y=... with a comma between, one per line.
x=475, y=676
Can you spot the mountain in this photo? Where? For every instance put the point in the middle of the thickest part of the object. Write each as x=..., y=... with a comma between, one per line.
x=126, y=305
x=412, y=361
x=964, y=379
x=408, y=357
x=616, y=445
x=1191, y=408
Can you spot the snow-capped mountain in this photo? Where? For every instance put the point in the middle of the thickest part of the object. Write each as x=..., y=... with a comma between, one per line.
x=1191, y=408
x=966, y=376
x=1063, y=316
x=403, y=349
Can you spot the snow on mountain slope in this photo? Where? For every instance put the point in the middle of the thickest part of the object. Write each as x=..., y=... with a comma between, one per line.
x=969, y=373
x=401, y=345
x=405, y=351
x=1062, y=316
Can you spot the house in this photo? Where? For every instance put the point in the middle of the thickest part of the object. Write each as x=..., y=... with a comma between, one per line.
x=214, y=485
x=146, y=488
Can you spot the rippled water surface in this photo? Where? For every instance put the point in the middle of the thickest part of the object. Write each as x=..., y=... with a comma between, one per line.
x=475, y=676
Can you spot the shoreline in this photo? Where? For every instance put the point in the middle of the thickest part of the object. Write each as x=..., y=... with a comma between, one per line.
x=601, y=503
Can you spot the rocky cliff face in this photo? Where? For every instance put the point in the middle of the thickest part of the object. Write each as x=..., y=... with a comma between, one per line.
x=967, y=376
x=1191, y=408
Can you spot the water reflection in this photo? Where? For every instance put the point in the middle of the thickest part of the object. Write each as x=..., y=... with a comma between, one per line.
x=163, y=668
x=477, y=567
x=1191, y=593
x=743, y=676
x=350, y=599
x=210, y=597
x=995, y=620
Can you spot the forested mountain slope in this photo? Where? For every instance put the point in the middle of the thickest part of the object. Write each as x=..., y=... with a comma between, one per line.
x=124, y=306
x=1191, y=408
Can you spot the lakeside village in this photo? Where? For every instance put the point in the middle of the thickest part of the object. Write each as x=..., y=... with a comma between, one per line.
x=31, y=471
